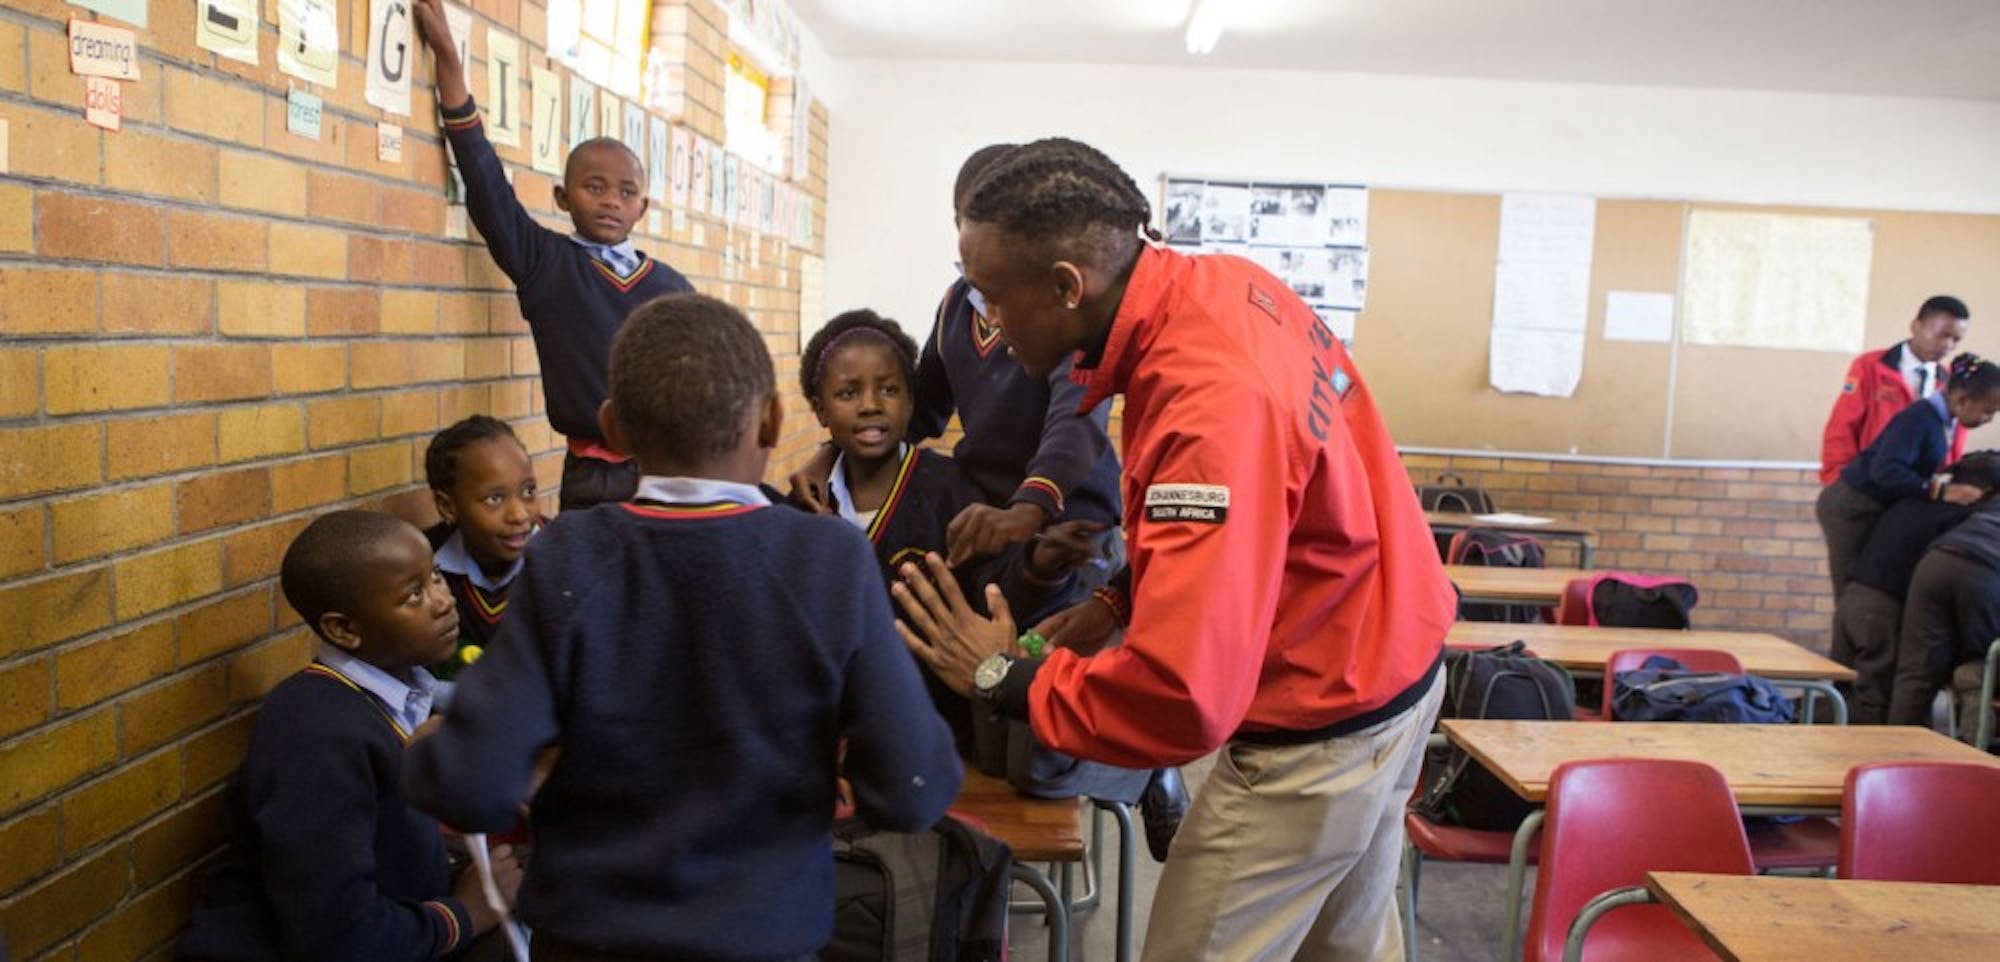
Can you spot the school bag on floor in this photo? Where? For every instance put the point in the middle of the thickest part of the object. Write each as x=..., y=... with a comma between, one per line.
x=1497, y=549
x=1451, y=493
x=1622, y=600
x=1662, y=689
x=1500, y=682
x=939, y=895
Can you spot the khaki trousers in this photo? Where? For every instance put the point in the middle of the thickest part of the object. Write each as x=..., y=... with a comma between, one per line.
x=1291, y=852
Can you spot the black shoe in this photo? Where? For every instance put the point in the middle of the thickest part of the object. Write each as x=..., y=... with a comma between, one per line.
x=1163, y=804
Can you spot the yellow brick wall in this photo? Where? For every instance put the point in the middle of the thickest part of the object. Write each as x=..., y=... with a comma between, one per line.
x=212, y=330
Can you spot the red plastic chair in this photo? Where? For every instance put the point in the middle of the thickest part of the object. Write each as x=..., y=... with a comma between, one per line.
x=1610, y=821
x=1921, y=822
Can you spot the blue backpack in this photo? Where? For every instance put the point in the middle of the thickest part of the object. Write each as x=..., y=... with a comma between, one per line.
x=1664, y=690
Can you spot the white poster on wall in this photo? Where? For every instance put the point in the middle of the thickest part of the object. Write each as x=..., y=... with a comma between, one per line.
x=1541, y=293
x=309, y=41
x=545, y=142
x=658, y=136
x=1776, y=280
x=228, y=28
x=503, y=88
x=1638, y=316
x=390, y=59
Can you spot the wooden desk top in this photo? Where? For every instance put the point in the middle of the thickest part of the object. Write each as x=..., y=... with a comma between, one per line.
x=1794, y=766
x=1557, y=525
x=1765, y=918
x=1581, y=648
x=1530, y=586
x=1037, y=829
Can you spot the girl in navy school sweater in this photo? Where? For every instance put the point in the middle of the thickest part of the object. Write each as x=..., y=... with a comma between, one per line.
x=857, y=373
x=483, y=485
x=1903, y=461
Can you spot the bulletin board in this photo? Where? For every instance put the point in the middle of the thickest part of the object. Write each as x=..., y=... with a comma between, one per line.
x=1421, y=339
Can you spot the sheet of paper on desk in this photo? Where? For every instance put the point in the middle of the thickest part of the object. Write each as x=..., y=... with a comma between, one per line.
x=1506, y=518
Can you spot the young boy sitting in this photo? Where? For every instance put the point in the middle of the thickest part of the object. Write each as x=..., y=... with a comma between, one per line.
x=324, y=859
x=574, y=290
x=484, y=487
x=698, y=658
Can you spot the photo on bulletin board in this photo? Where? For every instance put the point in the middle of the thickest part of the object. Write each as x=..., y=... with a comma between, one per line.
x=1311, y=236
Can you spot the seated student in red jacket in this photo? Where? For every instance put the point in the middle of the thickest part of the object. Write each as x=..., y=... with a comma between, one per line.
x=857, y=373
x=325, y=860
x=1903, y=461
x=484, y=488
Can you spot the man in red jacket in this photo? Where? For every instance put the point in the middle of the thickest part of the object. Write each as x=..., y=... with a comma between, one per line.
x=1287, y=602
x=1881, y=383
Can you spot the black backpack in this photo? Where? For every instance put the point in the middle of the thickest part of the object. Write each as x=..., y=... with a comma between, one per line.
x=1664, y=690
x=1500, y=682
x=939, y=895
x=1497, y=549
x=1451, y=493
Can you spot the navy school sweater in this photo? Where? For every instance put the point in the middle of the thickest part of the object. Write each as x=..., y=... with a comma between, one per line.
x=1023, y=439
x=573, y=303
x=325, y=861
x=1898, y=541
x=1901, y=460
x=697, y=667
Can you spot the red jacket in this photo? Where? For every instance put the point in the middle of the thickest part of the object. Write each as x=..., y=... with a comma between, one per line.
x=1283, y=577
x=1873, y=393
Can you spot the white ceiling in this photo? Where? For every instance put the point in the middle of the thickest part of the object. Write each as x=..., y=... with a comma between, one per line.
x=1920, y=48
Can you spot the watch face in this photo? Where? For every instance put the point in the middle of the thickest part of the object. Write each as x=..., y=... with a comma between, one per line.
x=989, y=673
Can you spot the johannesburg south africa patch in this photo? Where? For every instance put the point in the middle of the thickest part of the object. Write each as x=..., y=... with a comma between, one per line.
x=1202, y=503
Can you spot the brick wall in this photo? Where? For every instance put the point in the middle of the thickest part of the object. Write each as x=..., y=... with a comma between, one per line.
x=1745, y=537
x=212, y=330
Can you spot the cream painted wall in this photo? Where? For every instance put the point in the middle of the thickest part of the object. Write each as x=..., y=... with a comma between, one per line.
x=900, y=129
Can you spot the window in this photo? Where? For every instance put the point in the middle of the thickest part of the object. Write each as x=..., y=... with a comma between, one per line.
x=605, y=41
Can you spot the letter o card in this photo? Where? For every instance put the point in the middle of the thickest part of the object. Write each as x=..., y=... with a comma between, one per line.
x=1200, y=503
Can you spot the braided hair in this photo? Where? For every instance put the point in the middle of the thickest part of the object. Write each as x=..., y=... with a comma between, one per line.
x=848, y=328
x=441, y=456
x=1066, y=197
x=1974, y=376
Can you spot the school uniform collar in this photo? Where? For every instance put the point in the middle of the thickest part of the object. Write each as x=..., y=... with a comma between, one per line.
x=1908, y=364
x=406, y=704
x=843, y=497
x=1936, y=401
x=1109, y=366
x=676, y=492
x=622, y=257
x=452, y=557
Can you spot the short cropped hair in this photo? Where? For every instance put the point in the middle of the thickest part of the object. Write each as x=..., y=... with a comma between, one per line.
x=1944, y=304
x=843, y=329
x=1981, y=469
x=322, y=569
x=968, y=173
x=594, y=143
x=441, y=456
x=687, y=374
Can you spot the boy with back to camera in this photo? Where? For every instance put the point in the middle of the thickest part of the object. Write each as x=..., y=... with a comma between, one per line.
x=574, y=291
x=325, y=861
x=697, y=657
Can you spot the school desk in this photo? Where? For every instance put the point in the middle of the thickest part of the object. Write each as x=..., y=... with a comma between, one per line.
x=1584, y=649
x=1512, y=586
x=1767, y=918
x=1771, y=769
x=1048, y=830
x=1553, y=528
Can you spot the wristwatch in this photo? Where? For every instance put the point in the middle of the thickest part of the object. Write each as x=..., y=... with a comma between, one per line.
x=987, y=677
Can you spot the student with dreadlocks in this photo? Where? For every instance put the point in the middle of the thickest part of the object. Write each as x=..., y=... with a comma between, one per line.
x=1288, y=606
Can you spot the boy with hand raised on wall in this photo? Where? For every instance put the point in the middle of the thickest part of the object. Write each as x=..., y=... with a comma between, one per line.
x=698, y=659
x=574, y=290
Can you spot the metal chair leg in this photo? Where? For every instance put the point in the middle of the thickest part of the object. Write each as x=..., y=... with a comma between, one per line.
x=1057, y=917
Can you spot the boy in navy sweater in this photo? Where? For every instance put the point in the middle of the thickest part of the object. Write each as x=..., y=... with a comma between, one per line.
x=574, y=290
x=324, y=860
x=698, y=659
x=483, y=486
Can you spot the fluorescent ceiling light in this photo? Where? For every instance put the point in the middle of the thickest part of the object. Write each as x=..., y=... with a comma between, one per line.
x=1204, y=25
